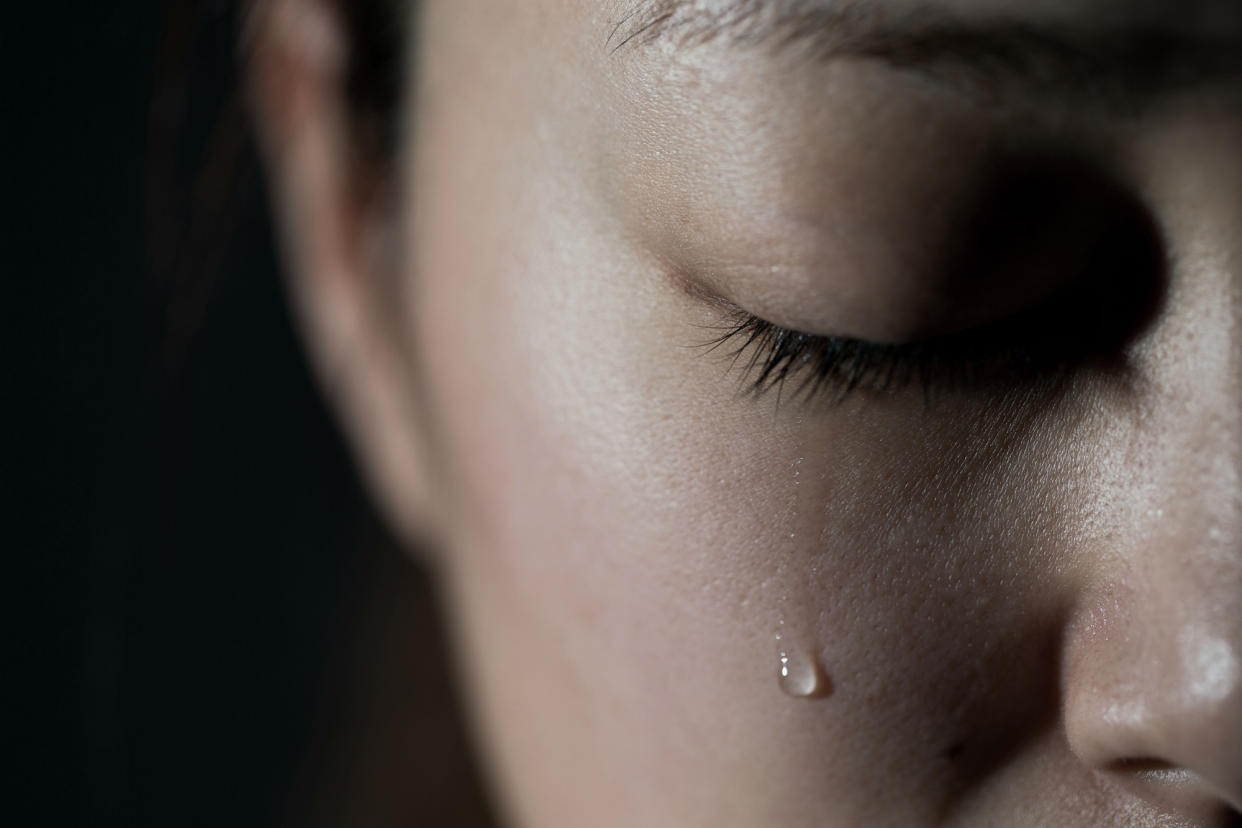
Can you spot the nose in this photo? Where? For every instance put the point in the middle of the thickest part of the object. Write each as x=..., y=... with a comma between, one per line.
x=1155, y=706
x=1153, y=666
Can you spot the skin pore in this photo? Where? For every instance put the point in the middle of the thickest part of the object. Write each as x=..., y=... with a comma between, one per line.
x=1016, y=590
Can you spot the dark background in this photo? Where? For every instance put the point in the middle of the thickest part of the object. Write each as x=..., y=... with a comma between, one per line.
x=208, y=625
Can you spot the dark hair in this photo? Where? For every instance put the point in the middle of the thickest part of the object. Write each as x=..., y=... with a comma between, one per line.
x=375, y=83
x=195, y=175
x=241, y=445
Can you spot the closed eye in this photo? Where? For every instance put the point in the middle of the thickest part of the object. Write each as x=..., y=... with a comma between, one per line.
x=1087, y=326
x=1107, y=297
x=800, y=366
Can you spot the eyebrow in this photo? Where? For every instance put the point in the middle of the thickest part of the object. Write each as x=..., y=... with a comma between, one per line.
x=985, y=57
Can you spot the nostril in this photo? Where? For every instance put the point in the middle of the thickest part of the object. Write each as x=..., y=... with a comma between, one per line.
x=1155, y=772
x=1175, y=789
x=1140, y=766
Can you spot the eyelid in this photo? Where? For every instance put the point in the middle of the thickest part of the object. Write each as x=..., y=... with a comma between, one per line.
x=1088, y=325
x=832, y=369
x=771, y=355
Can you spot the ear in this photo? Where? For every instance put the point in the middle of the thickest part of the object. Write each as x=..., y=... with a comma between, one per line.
x=341, y=260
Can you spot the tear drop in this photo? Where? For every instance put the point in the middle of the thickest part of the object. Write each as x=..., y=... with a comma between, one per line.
x=801, y=676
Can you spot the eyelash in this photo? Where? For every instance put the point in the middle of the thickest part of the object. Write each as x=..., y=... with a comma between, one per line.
x=834, y=368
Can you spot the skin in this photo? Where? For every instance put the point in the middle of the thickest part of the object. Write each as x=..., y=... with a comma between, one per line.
x=1024, y=600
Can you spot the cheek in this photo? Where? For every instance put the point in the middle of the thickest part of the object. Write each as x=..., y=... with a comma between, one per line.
x=611, y=530
x=589, y=464
x=631, y=535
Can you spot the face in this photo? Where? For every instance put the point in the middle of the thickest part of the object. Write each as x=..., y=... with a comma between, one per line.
x=835, y=416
